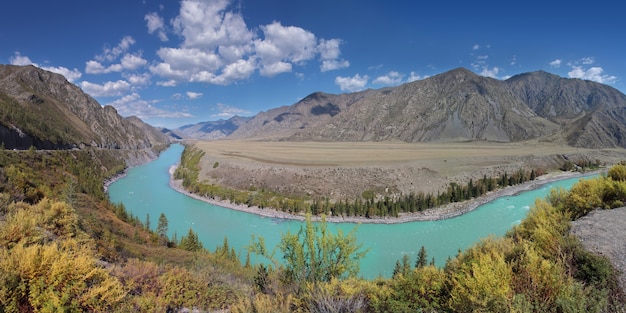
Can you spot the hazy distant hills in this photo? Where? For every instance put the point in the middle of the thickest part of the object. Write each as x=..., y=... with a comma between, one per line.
x=212, y=129
x=456, y=106
x=42, y=109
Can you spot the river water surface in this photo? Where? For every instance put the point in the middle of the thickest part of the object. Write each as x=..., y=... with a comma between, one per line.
x=145, y=190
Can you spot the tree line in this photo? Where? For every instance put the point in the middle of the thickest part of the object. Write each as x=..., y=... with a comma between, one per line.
x=368, y=205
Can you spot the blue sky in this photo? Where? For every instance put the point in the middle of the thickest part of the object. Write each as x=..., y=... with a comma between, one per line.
x=173, y=63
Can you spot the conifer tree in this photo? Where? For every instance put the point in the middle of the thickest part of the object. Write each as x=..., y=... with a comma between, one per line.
x=162, y=229
x=422, y=258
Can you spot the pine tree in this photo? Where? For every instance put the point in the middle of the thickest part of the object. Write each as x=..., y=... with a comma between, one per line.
x=147, y=224
x=162, y=229
x=190, y=242
x=422, y=258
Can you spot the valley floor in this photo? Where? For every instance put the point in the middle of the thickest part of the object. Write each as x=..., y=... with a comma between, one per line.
x=448, y=211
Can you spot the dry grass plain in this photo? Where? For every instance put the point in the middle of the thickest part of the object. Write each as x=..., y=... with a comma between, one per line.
x=346, y=169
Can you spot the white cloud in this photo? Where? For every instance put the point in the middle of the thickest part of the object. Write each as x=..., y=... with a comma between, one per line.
x=155, y=24
x=329, y=49
x=283, y=44
x=70, y=75
x=275, y=68
x=132, y=62
x=188, y=60
x=595, y=74
x=414, y=76
x=354, y=83
x=129, y=62
x=490, y=72
x=206, y=25
x=193, y=95
x=168, y=83
x=476, y=47
x=219, y=48
x=226, y=111
x=19, y=59
x=587, y=60
x=390, y=79
x=108, y=89
x=133, y=105
x=94, y=67
x=329, y=65
x=138, y=79
x=556, y=63
x=110, y=54
x=232, y=72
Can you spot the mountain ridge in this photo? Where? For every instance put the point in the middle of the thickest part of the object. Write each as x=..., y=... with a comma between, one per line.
x=42, y=109
x=457, y=105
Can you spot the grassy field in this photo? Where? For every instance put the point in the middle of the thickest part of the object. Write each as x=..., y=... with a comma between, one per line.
x=349, y=168
x=374, y=153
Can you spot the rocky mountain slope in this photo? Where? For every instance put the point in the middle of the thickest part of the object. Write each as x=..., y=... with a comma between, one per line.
x=456, y=106
x=42, y=109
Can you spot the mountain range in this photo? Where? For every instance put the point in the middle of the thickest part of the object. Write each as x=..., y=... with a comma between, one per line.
x=457, y=105
x=43, y=110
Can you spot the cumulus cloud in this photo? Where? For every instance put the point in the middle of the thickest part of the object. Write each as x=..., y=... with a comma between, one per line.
x=351, y=84
x=19, y=59
x=155, y=24
x=193, y=95
x=108, y=89
x=587, y=60
x=128, y=62
x=329, y=65
x=219, y=48
x=390, y=79
x=282, y=46
x=138, y=79
x=595, y=74
x=329, y=54
x=167, y=83
x=476, y=47
x=556, y=63
x=414, y=76
x=110, y=54
x=226, y=111
x=207, y=25
x=70, y=75
x=133, y=105
x=490, y=72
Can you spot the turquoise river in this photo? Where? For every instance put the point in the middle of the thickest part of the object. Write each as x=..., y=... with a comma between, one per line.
x=145, y=190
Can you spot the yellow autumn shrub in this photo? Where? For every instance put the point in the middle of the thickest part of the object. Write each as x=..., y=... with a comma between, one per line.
x=483, y=284
x=61, y=276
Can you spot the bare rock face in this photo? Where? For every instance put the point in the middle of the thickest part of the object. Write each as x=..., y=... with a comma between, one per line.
x=455, y=106
x=604, y=232
x=42, y=109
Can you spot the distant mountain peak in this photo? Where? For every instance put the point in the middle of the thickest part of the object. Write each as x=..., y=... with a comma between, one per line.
x=457, y=105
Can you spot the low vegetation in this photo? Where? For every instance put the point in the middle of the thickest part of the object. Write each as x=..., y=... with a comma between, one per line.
x=64, y=247
x=537, y=267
